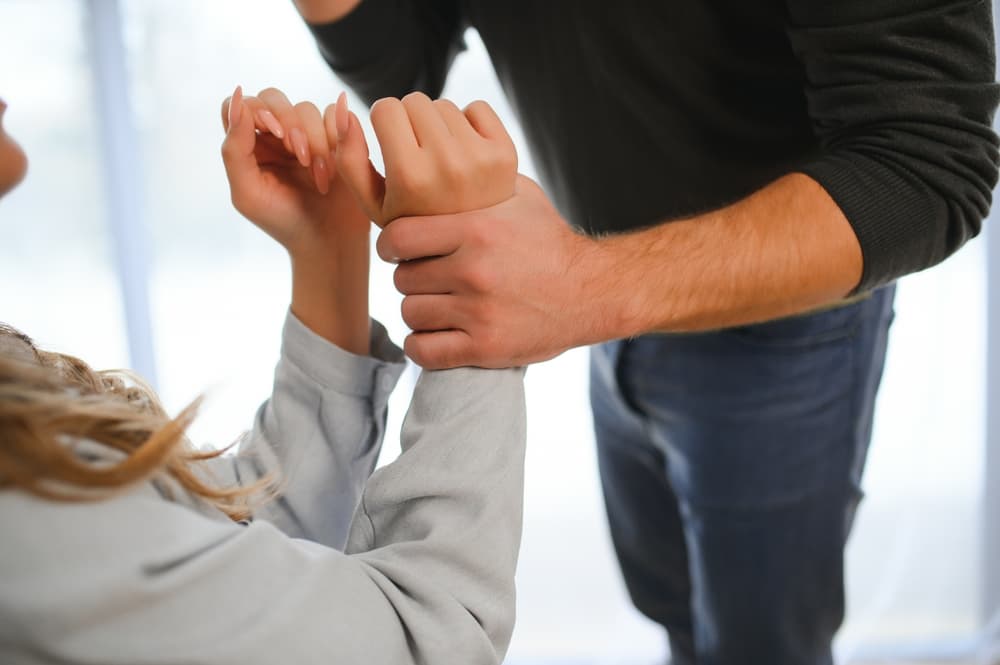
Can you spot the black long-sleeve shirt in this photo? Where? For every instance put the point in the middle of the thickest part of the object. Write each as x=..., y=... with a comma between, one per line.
x=639, y=112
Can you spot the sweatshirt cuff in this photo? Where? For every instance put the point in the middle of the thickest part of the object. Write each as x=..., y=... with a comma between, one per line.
x=335, y=369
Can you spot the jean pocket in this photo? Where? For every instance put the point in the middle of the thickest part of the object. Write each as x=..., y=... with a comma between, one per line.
x=803, y=330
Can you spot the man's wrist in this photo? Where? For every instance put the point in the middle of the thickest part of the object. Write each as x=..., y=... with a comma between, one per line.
x=613, y=300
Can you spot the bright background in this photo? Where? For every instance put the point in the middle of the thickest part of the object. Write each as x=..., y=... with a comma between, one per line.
x=219, y=290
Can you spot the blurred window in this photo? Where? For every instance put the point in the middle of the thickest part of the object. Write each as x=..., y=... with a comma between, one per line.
x=220, y=289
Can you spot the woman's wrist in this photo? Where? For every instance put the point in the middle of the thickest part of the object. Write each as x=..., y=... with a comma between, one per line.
x=330, y=291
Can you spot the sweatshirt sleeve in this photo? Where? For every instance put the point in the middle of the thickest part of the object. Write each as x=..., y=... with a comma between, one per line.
x=439, y=531
x=428, y=577
x=319, y=434
x=388, y=48
x=902, y=95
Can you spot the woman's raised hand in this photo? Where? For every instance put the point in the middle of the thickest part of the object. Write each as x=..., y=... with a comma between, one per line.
x=280, y=161
x=438, y=158
x=281, y=167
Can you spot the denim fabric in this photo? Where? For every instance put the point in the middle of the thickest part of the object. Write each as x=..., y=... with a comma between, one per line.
x=731, y=464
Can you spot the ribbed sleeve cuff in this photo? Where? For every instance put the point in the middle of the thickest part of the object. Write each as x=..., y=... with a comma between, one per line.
x=892, y=217
x=337, y=369
x=388, y=48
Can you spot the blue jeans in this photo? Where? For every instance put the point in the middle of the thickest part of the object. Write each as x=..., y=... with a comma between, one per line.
x=731, y=464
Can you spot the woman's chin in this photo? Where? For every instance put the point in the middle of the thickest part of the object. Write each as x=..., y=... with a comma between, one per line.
x=13, y=163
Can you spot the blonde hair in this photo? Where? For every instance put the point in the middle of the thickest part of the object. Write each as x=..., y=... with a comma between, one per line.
x=50, y=402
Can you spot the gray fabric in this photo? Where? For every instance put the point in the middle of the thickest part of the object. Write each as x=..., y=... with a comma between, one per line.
x=428, y=573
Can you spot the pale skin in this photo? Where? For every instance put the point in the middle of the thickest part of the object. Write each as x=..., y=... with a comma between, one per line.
x=297, y=201
x=514, y=284
x=283, y=163
x=279, y=159
x=438, y=159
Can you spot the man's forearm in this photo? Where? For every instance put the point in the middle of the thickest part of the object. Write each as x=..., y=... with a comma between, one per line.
x=785, y=249
x=513, y=284
x=325, y=11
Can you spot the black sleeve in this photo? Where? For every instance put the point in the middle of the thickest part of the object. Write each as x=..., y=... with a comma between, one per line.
x=901, y=94
x=388, y=48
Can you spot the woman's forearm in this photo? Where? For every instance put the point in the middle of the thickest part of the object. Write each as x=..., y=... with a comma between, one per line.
x=330, y=291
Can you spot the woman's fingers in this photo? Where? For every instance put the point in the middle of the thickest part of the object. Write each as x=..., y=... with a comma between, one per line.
x=485, y=121
x=264, y=120
x=353, y=162
x=391, y=123
x=458, y=125
x=330, y=121
x=240, y=134
x=428, y=125
x=411, y=131
x=299, y=128
x=295, y=139
x=238, y=152
x=273, y=135
x=319, y=147
x=269, y=121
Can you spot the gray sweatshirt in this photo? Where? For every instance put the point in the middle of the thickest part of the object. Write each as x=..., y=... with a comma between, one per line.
x=411, y=564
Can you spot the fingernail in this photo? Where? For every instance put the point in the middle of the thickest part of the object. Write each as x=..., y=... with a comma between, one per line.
x=322, y=175
x=343, y=119
x=236, y=107
x=300, y=145
x=271, y=123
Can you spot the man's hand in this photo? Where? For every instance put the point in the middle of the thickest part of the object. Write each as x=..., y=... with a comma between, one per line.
x=513, y=284
x=489, y=288
x=507, y=285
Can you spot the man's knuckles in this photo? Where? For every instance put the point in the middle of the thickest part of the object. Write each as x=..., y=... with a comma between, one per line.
x=477, y=277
